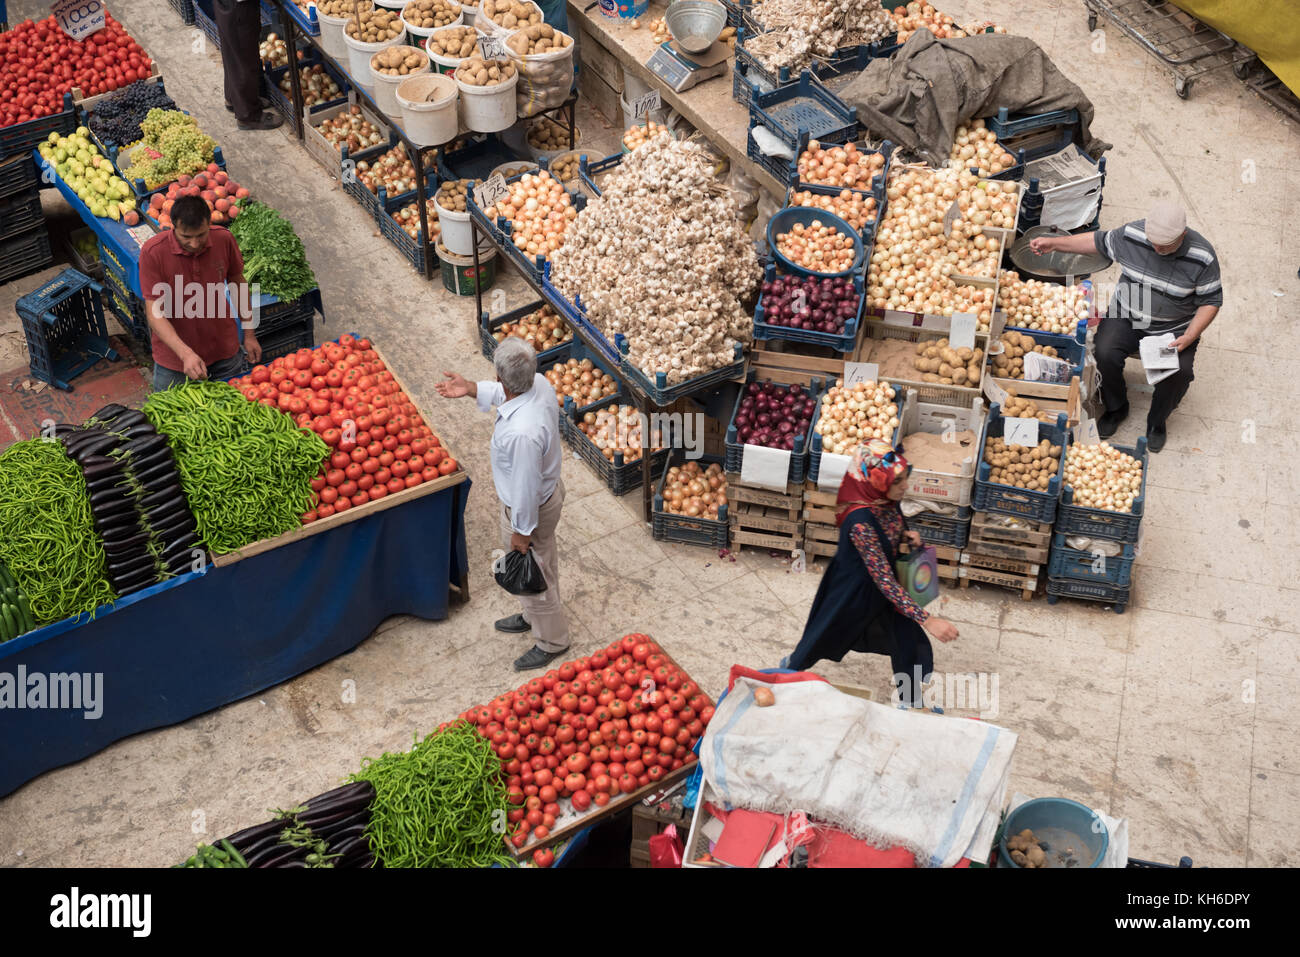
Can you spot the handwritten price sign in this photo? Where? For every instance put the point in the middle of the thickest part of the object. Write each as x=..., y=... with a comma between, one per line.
x=79, y=18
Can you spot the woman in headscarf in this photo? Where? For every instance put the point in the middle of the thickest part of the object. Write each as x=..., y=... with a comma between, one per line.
x=860, y=606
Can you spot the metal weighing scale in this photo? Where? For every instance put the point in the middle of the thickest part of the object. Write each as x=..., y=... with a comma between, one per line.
x=681, y=71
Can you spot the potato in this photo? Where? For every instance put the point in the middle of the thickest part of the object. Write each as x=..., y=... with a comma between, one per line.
x=399, y=61
x=376, y=26
x=474, y=71
x=455, y=43
x=453, y=193
x=342, y=8
x=538, y=38
x=548, y=136
x=430, y=13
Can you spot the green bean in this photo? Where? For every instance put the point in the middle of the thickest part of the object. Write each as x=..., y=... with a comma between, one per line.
x=441, y=804
x=245, y=468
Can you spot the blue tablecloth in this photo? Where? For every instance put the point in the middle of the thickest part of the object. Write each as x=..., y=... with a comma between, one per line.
x=208, y=638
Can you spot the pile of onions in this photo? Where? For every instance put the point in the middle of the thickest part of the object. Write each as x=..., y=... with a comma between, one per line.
x=581, y=379
x=853, y=414
x=539, y=210
x=614, y=429
x=1044, y=306
x=774, y=415
x=273, y=51
x=854, y=208
x=1103, y=477
x=1024, y=467
x=1010, y=362
x=915, y=267
x=642, y=133
x=818, y=246
x=804, y=302
x=408, y=217
x=393, y=172
x=695, y=492
x=542, y=329
x=317, y=86
x=976, y=147
x=923, y=16
x=352, y=129
x=839, y=165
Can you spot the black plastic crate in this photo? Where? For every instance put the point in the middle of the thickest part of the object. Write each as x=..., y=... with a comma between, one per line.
x=204, y=20
x=63, y=322
x=840, y=342
x=669, y=527
x=372, y=203
x=1007, y=126
x=413, y=250
x=952, y=531
x=278, y=315
x=619, y=476
x=784, y=171
x=475, y=160
x=802, y=445
x=18, y=174
x=89, y=265
x=1118, y=598
x=487, y=325
x=185, y=8
x=20, y=213
x=25, y=137
x=815, y=450
x=130, y=312
x=306, y=22
x=24, y=253
x=282, y=102
x=288, y=340
x=804, y=107
x=1024, y=503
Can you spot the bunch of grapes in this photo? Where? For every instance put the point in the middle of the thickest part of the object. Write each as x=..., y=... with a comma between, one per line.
x=184, y=148
x=117, y=117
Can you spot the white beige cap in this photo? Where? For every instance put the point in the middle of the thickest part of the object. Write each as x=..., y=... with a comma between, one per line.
x=1165, y=223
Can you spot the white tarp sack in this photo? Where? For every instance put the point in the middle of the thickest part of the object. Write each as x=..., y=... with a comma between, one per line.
x=545, y=79
x=893, y=778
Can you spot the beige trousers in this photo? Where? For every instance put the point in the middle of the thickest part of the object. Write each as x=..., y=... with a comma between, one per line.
x=545, y=612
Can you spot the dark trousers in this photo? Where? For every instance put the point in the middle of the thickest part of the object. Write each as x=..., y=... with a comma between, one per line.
x=240, y=26
x=1117, y=340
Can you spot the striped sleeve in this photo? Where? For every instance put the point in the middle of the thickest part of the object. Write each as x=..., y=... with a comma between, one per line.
x=868, y=546
x=1209, y=288
x=1105, y=245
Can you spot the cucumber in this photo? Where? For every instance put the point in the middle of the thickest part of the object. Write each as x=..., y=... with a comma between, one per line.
x=28, y=620
x=5, y=578
x=11, y=595
x=8, y=626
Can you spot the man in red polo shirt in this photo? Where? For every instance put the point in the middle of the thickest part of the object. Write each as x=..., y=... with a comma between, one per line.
x=183, y=276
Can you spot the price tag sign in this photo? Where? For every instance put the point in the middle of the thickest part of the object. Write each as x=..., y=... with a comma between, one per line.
x=1086, y=433
x=995, y=392
x=491, y=191
x=861, y=372
x=79, y=18
x=1020, y=432
x=494, y=48
x=646, y=104
x=953, y=214
x=962, y=335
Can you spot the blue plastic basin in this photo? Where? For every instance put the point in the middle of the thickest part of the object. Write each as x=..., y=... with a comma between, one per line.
x=1090, y=837
x=787, y=218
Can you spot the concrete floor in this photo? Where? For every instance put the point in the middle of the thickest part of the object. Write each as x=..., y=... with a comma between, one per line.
x=1178, y=715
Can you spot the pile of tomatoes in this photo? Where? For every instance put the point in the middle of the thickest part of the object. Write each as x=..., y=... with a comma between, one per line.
x=589, y=730
x=378, y=442
x=41, y=63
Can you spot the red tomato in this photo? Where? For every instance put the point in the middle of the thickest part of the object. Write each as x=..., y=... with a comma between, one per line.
x=544, y=857
x=581, y=800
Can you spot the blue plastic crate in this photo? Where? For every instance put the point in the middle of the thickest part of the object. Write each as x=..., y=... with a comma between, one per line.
x=1112, y=595
x=876, y=192
x=18, y=175
x=502, y=234
x=734, y=16
x=474, y=161
x=547, y=357
x=658, y=389
x=619, y=476
x=750, y=77
x=24, y=137
x=784, y=171
x=815, y=448
x=413, y=250
x=24, y=253
x=20, y=212
x=735, y=449
x=1099, y=523
x=570, y=410
x=306, y=22
x=576, y=316
x=1032, y=505
x=282, y=102
x=842, y=342
x=121, y=301
x=185, y=8
x=1067, y=562
x=935, y=529
x=803, y=110
x=372, y=203
x=63, y=322
x=668, y=527
x=268, y=12
x=1005, y=125
x=1072, y=349
x=204, y=19
x=588, y=171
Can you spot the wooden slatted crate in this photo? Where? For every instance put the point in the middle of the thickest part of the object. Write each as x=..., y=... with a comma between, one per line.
x=764, y=526
x=1027, y=585
x=987, y=527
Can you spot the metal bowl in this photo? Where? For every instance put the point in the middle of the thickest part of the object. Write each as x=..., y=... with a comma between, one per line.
x=695, y=24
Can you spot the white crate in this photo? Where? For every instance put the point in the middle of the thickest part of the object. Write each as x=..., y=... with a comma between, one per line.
x=321, y=149
x=955, y=396
x=947, y=487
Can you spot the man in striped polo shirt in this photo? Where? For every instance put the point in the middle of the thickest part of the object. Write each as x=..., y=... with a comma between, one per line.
x=1169, y=282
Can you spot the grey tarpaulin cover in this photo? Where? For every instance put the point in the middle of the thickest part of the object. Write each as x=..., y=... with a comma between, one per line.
x=917, y=98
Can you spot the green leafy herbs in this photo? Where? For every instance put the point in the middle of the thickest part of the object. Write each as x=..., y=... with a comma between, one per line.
x=274, y=256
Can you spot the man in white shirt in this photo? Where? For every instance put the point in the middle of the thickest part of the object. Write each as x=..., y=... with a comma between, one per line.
x=526, y=456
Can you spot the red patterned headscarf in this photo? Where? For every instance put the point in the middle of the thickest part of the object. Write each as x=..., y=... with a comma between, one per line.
x=875, y=467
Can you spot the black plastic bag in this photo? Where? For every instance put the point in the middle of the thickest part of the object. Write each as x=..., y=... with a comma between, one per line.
x=519, y=573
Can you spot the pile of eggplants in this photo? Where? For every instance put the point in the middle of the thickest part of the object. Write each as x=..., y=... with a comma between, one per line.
x=339, y=818
x=139, y=509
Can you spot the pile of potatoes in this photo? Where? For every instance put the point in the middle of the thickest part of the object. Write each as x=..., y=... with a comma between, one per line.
x=538, y=38
x=431, y=13
x=454, y=193
x=1025, y=850
x=1018, y=407
x=455, y=43
x=566, y=168
x=511, y=14
x=1030, y=468
x=475, y=71
x=376, y=26
x=1010, y=362
x=548, y=136
x=340, y=9
x=938, y=362
x=400, y=61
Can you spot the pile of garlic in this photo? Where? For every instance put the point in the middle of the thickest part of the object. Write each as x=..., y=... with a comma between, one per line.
x=662, y=258
x=798, y=31
x=1103, y=477
x=1044, y=306
x=853, y=414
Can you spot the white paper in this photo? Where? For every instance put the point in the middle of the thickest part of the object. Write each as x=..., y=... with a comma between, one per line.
x=996, y=325
x=494, y=48
x=995, y=392
x=860, y=372
x=1086, y=433
x=1041, y=368
x=767, y=468
x=953, y=214
x=1158, y=352
x=962, y=335
x=769, y=144
x=1017, y=431
x=79, y=18
x=774, y=855
x=646, y=104
x=491, y=191
x=712, y=828
x=831, y=470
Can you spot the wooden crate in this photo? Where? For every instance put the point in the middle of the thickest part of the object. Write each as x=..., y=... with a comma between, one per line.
x=975, y=559
x=1025, y=533
x=764, y=526
x=1050, y=397
x=820, y=540
x=991, y=548
x=931, y=393
x=788, y=368
x=791, y=500
x=1025, y=584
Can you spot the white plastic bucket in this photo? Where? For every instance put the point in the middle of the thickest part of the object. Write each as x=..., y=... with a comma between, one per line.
x=392, y=4
x=442, y=64
x=425, y=32
x=548, y=155
x=359, y=54
x=428, y=122
x=468, y=11
x=660, y=115
x=633, y=87
x=385, y=89
x=331, y=33
x=514, y=166
x=457, y=234
x=488, y=109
